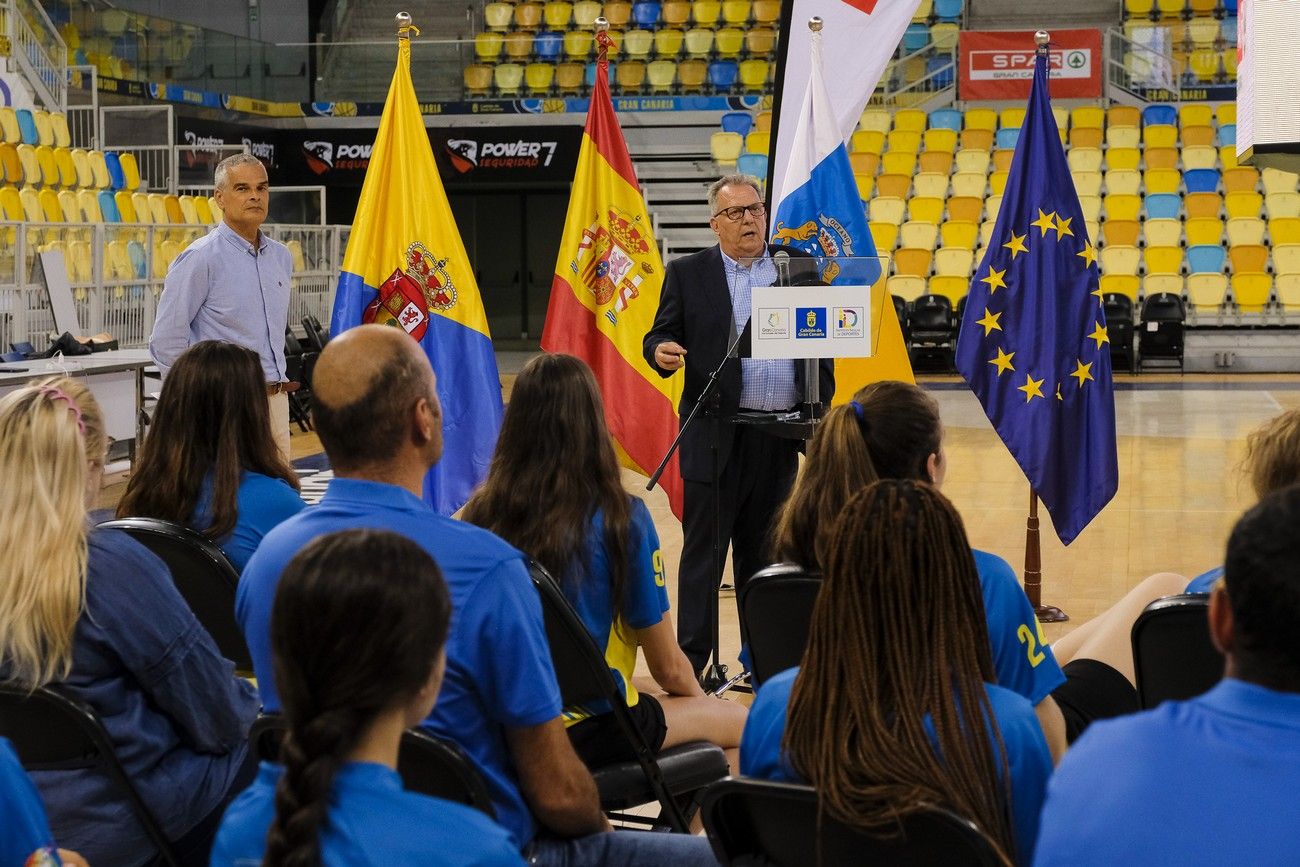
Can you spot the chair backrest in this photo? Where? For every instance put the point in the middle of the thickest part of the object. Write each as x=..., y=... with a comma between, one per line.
x=202, y=574
x=762, y=822
x=428, y=765
x=1173, y=656
x=583, y=676
x=1163, y=307
x=51, y=732
x=775, y=610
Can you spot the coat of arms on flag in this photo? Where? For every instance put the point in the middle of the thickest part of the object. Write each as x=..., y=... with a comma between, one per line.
x=406, y=297
x=608, y=256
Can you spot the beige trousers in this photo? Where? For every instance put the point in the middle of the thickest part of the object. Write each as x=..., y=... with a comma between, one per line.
x=279, y=405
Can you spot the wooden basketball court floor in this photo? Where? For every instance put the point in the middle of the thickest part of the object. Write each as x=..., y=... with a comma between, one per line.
x=1181, y=442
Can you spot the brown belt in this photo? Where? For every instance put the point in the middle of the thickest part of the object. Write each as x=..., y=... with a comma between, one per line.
x=277, y=387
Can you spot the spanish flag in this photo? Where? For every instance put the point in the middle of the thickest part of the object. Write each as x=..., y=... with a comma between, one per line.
x=405, y=266
x=606, y=290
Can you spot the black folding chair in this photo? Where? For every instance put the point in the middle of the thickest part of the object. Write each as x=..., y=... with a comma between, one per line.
x=428, y=765
x=51, y=732
x=675, y=775
x=317, y=336
x=761, y=822
x=299, y=364
x=932, y=328
x=775, y=610
x=1119, y=327
x=1173, y=656
x=202, y=574
x=1163, y=317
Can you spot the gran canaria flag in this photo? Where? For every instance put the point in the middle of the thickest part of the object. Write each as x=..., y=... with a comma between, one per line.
x=406, y=267
x=1033, y=341
x=606, y=291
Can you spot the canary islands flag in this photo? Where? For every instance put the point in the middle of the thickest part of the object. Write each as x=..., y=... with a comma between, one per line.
x=1033, y=340
x=608, y=276
x=822, y=214
x=405, y=266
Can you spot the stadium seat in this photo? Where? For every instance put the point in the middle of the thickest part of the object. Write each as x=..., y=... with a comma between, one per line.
x=1122, y=284
x=753, y=75
x=59, y=126
x=958, y=234
x=1251, y=291
x=965, y=209
x=1116, y=116
x=668, y=43
x=898, y=162
x=991, y=206
x=884, y=235
x=885, y=209
x=754, y=165
x=986, y=237
x=1199, y=158
x=1228, y=156
x=1244, y=257
x=1123, y=233
x=763, y=121
x=919, y=235
x=698, y=42
x=538, y=78
x=47, y=206
x=9, y=129
x=905, y=140
x=1202, y=181
x=1208, y=205
x=926, y=208
x=49, y=168
x=724, y=147
x=1158, y=180
x=44, y=130
x=931, y=184
x=728, y=42
x=976, y=139
x=116, y=177
x=508, y=77
x=88, y=205
x=1159, y=114
x=946, y=118
x=1163, y=260
x=631, y=76
x=1283, y=230
x=1280, y=204
x=1120, y=206
x=912, y=261
x=557, y=14
x=1087, y=183
x=637, y=44
x=675, y=13
x=1085, y=137
x=952, y=286
x=1007, y=138
x=906, y=287
x=981, y=118
x=915, y=37
x=1115, y=259
x=1205, y=258
x=940, y=140
x=1241, y=204
x=864, y=163
x=740, y=122
x=1002, y=160
x=766, y=11
x=1207, y=292
x=939, y=162
x=645, y=13
x=1087, y=117
x=528, y=16
x=893, y=185
x=758, y=142
x=27, y=127
x=760, y=41
x=1159, y=136
x=1123, y=136
x=1163, y=206
x=735, y=12
x=569, y=78
x=870, y=141
x=1161, y=158
x=1198, y=114
x=1245, y=230
x=1204, y=230
x=1286, y=259
x=518, y=45
x=1091, y=208
x=1204, y=64
x=972, y=160
x=497, y=17
x=477, y=78
x=1122, y=158
x=875, y=119
x=1083, y=159
x=1163, y=232
x=1197, y=136
x=1276, y=181
x=585, y=13
x=971, y=184
x=705, y=13
x=1128, y=182
x=956, y=262
x=866, y=185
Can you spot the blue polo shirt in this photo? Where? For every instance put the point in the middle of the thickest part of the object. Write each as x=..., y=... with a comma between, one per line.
x=1021, y=656
x=1209, y=781
x=262, y=503
x=1028, y=758
x=24, y=831
x=645, y=599
x=1204, y=582
x=499, y=672
x=371, y=820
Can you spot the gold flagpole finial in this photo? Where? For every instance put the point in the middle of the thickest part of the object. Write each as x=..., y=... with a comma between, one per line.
x=1041, y=38
x=404, y=26
x=603, y=39
x=602, y=24
x=815, y=24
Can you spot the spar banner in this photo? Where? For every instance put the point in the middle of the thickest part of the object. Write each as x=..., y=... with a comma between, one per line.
x=1000, y=64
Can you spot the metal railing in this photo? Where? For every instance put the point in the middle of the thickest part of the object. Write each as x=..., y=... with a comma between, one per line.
x=926, y=78
x=117, y=270
x=34, y=42
x=82, y=110
x=1146, y=70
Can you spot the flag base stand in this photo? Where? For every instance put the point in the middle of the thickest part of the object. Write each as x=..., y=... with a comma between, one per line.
x=1034, y=569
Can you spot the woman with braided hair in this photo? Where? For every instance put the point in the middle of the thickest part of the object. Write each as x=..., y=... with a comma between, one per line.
x=878, y=719
x=358, y=630
x=892, y=430
x=93, y=614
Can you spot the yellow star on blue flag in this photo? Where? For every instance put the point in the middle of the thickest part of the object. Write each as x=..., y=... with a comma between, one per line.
x=1036, y=302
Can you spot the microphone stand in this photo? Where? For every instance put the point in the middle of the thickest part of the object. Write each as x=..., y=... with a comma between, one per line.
x=714, y=680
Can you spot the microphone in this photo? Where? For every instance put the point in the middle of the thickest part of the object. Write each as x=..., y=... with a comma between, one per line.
x=781, y=259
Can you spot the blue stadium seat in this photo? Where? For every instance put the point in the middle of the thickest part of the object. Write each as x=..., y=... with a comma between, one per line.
x=27, y=127
x=548, y=45
x=1007, y=138
x=1201, y=180
x=723, y=74
x=135, y=251
x=1164, y=206
x=754, y=165
x=646, y=14
x=738, y=122
x=1228, y=134
x=949, y=10
x=1230, y=6
x=1205, y=258
x=942, y=70
x=108, y=207
x=1228, y=30
x=946, y=118
x=1160, y=115
x=590, y=76
x=116, y=177
x=915, y=37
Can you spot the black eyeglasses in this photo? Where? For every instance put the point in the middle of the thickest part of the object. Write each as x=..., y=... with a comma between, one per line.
x=737, y=213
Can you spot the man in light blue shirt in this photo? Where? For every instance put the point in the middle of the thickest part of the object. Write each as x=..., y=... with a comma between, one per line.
x=1212, y=780
x=233, y=285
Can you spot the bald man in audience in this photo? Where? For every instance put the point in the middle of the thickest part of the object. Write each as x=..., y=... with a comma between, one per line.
x=377, y=412
x=1213, y=780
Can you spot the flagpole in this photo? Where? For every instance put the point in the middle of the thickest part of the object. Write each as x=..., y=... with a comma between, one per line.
x=1033, y=547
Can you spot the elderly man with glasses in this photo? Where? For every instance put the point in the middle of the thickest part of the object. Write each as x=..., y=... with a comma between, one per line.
x=703, y=309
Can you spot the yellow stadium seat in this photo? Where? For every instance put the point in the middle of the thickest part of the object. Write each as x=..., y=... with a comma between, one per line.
x=945, y=35
x=735, y=12
x=876, y=119
x=1251, y=290
x=760, y=41
x=140, y=206
x=940, y=140
x=538, y=78
x=1208, y=205
x=866, y=185
x=9, y=131
x=507, y=78
x=660, y=75
x=1286, y=259
x=1277, y=181
x=1122, y=158
x=910, y=119
x=884, y=236
x=923, y=11
x=1283, y=230
x=969, y=184
x=31, y=165
x=1084, y=159
x=1198, y=114
x=1122, y=115
x=99, y=168
x=767, y=11
x=986, y=237
x=1154, y=284
x=886, y=209
x=1207, y=292
x=1091, y=207
x=189, y=211
x=1159, y=180
x=49, y=167
x=11, y=206
x=1121, y=284
x=1125, y=182
x=958, y=234
x=1288, y=291
x=917, y=234
x=675, y=13
x=1199, y=157
x=59, y=126
x=992, y=205
x=126, y=207
x=1011, y=118
x=964, y=209
x=939, y=162
x=912, y=261
x=569, y=77
x=1160, y=136
x=1002, y=160
x=1197, y=136
x=528, y=16
x=668, y=43
x=11, y=167
x=1164, y=260
x=216, y=210
x=1204, y=64
x=864, y=163
x=930, y=184
x=1245, y=257
x=1169, y=8
x=477, y=78
x=1245, y=230
x=1163, y=232
x=1161, y=158
x=758, y=142
x=954, y=261
x=906, y=140
x=518, y=45
x=926, y=208
x=1228, y=156
x=1087, y=183
x=972, y=160
x=997, y=183
x=705, y=13
x=950, y=285
x=585, y=13
x=754, y=74
x=44, y=129
x=725, y=147
x=48, y=206
x=977, y=139
x=1225, y=112
x=867, y=141
x=637, y=44
x=981, y=118
x=1123, y=136
x=908, y=288
x=1122, y=233
x=1245, y=204
x=577, y=44
x=88, y=202
x=1087, y=117
x=763, y=121
x=1085, y=137
x=1119, y=260
x=172, y=205
x=1204, y=230
x=497, y=16
x=557, y=14
x=488, y=44
x=894, y=186
x=158, y=208
x=898, y=162
x=699, y=42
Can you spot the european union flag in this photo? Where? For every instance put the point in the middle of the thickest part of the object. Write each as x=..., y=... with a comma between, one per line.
x=1033, y=342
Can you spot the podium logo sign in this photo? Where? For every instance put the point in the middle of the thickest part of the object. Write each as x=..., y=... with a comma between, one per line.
x=773, y=322
x=848, y=322
x=811, y=322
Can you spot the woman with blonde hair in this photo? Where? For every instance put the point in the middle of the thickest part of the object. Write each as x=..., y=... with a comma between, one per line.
x=94, y=615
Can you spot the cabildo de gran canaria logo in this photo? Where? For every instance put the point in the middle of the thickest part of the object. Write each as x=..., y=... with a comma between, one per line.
x=823, y=237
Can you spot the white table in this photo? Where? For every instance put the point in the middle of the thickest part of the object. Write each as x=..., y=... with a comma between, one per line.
x=115, y=378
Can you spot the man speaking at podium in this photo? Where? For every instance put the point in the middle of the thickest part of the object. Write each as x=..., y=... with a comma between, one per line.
x=703, y=309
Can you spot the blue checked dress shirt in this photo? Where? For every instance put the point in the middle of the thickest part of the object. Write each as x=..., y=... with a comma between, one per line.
x=220, y=289
x=766, y=385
